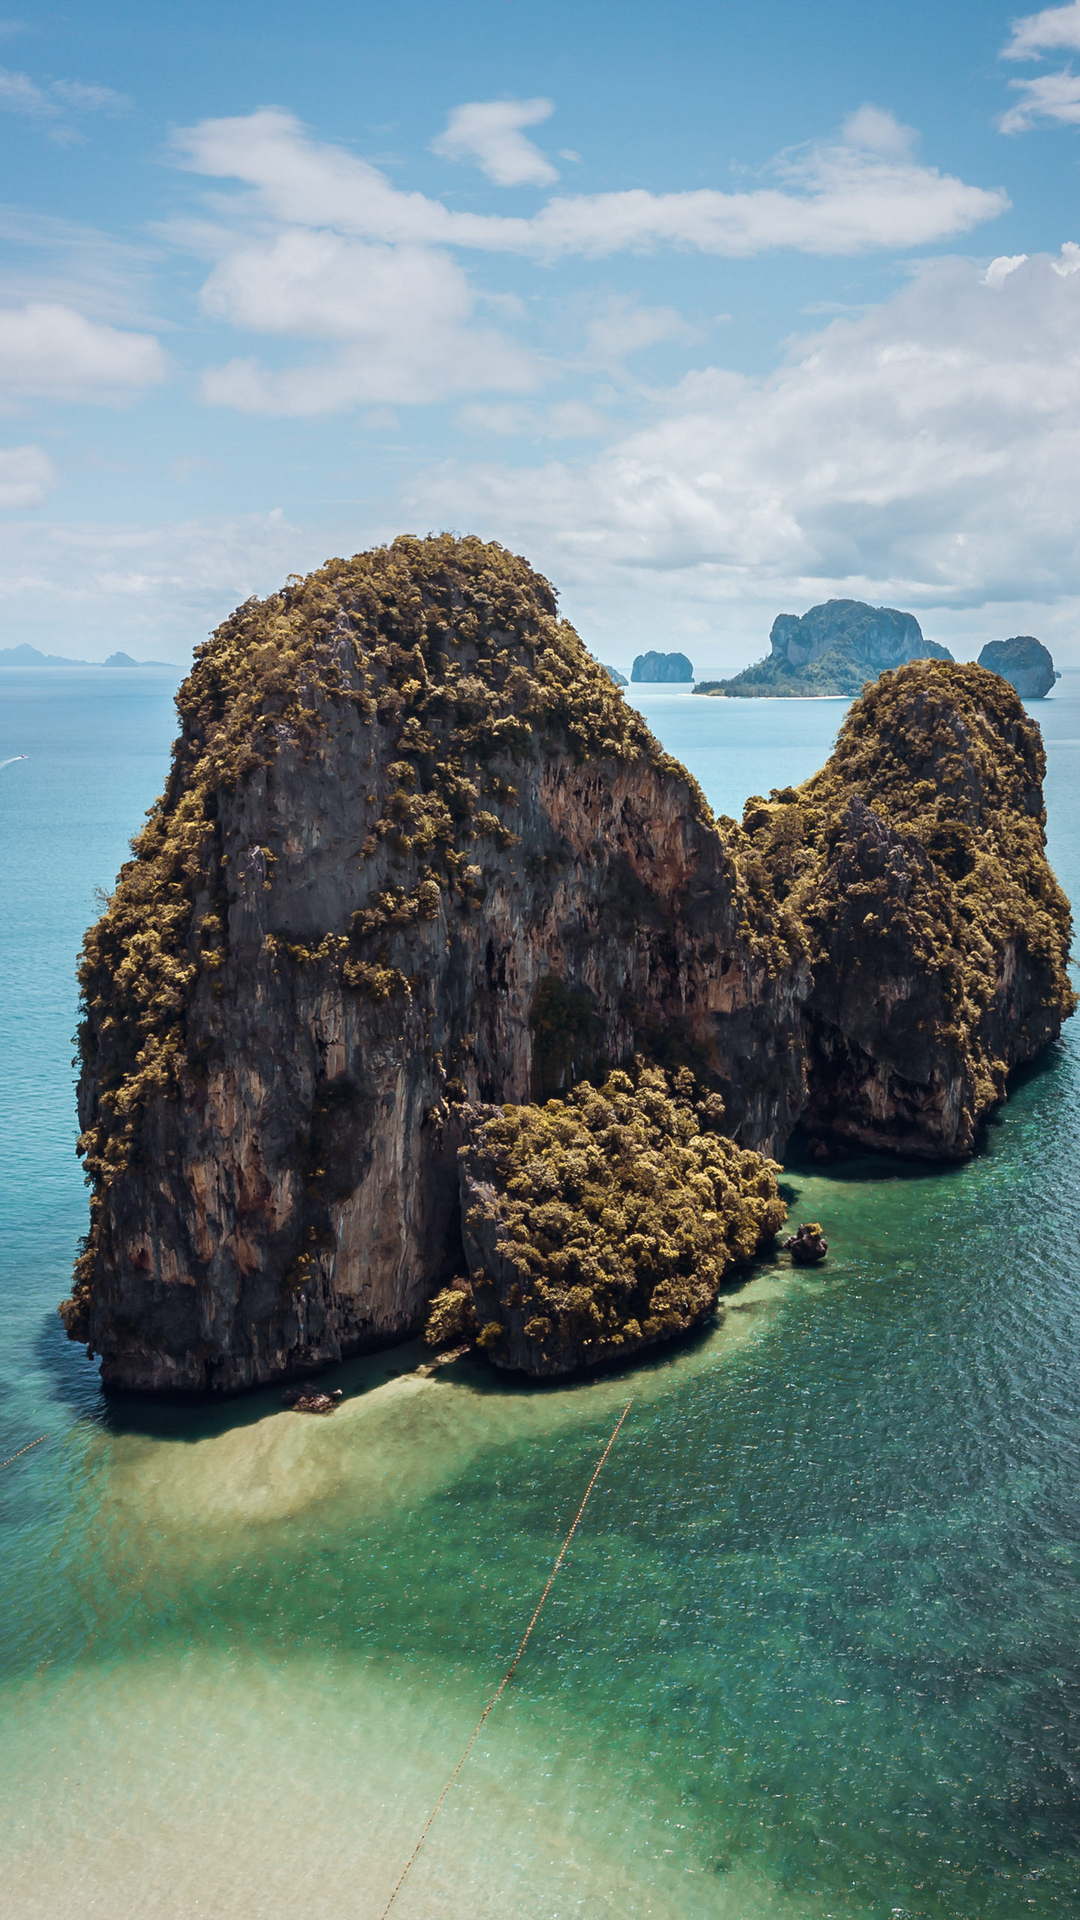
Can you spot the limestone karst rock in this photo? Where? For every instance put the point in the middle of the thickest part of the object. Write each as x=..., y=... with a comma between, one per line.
x=1024, y=662
x=417, y=857
x=415, y=849
x=662, y=667
x=938, y=935
x=834, y=649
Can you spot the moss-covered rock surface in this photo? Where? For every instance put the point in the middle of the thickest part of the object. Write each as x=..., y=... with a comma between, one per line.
x=417, y=855
x=605, y=1222
x=915, y=862
x=392, y=635
x=415, y=849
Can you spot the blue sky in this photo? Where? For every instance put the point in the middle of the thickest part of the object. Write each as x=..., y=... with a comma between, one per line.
x=713, y=312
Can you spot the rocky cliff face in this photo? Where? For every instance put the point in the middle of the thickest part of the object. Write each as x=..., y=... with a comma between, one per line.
x=662, y=667
x=938, y=935
x=833, y=649
x=417, y=857
x=1024, y=662
x=879, y=636
x=414, y=851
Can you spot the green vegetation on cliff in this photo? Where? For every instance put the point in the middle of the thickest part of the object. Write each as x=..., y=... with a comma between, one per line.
x=917, y=855
x=831, y=651
x=394, y=633
x=451, y=652
x=608, y=1220
x=414, y=848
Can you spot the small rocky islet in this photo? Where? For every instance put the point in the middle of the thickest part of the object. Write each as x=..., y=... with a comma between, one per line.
x=662, y=668
x=1024, y=662
x=435, y=993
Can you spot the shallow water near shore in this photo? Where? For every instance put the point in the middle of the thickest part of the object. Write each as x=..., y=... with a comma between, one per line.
x=814, y=1651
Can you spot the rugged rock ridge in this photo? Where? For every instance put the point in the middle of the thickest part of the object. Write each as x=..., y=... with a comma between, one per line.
x=1024, y=662
x=834, y=649
x=916, y=862
x=415, y=850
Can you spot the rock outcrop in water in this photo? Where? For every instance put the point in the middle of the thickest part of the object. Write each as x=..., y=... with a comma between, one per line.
x=938, y=935
x=834, y=649
x=1024, y=662
x=808, y=1247
x=415, y=851
x=662, y=667
x=417, y=859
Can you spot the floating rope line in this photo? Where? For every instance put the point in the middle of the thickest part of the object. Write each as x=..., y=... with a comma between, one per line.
x=27, y=1449
x=508, y=1676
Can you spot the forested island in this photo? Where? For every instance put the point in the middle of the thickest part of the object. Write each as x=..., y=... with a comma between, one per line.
x=836, y=649
x=831, y=651
x=433, y=979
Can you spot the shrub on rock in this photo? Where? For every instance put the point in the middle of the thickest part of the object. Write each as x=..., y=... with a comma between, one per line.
x=601, y=1223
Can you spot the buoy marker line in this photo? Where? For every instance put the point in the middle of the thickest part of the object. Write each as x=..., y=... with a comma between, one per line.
x=509, y=1674
x=27, y=1449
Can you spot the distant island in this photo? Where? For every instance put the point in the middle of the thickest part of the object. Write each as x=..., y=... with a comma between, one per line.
x=661, y=666
x=1024, y=662
x=27, y=656
x=614, y=674
x=834, y=649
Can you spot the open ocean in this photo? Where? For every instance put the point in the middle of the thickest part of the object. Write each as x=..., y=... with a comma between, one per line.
x=815, y=1652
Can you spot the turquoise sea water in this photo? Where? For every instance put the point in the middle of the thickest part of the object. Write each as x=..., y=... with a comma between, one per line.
x=815, y=1651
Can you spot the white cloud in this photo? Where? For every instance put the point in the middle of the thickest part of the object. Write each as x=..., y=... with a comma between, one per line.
x=26, y=476
x=923, y=453
x=74, y=93
x=838, y=199
x=403, y=314
x=52, y=103
x=318, y=285
x=1051, y=96
x=64, y=263
x=624, y=327
x=999, y=270
x=19, y=94
x=318, y=245
x=155, y=590
x=1070, y=259
x=1038, y=33
x=878, y=131
x=565, y=420
x=488, y=133
x=52, y=351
